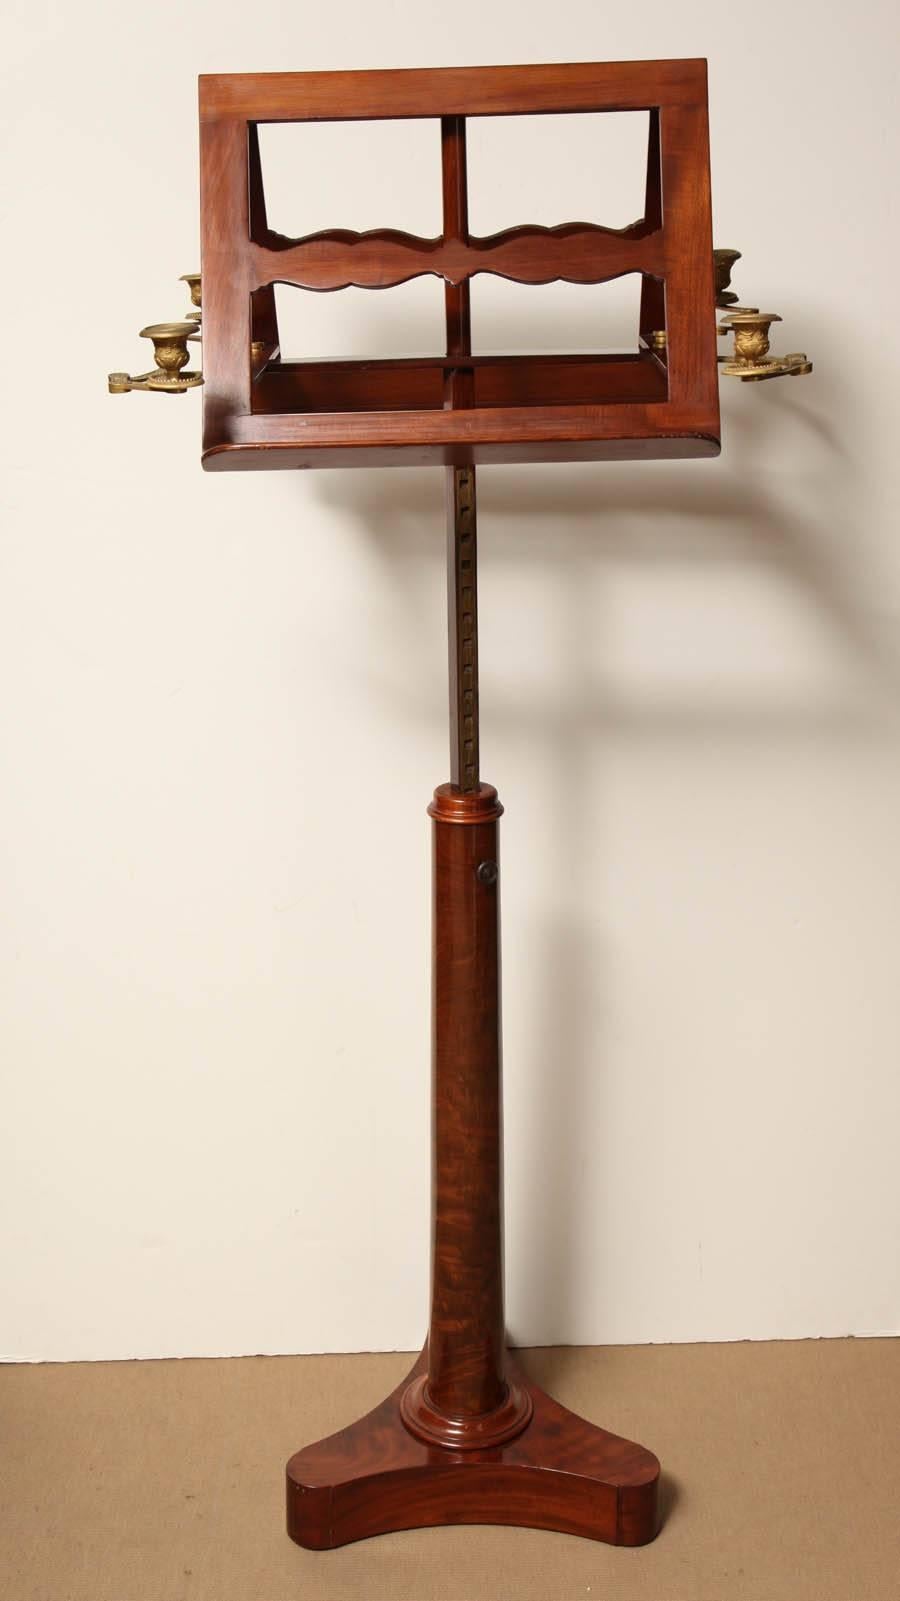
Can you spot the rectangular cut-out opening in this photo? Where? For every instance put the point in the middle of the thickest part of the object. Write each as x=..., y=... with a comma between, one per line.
x=577, y=167
x=359, y=324
x=512, y=318
x=354, y=175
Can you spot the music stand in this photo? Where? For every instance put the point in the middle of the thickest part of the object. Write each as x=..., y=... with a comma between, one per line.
x=466, y=1438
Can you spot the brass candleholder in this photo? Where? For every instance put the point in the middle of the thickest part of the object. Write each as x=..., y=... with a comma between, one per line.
x=750, y=359
x=170, y=347
x=723, y=261
x=726, y=299
x=193, y=281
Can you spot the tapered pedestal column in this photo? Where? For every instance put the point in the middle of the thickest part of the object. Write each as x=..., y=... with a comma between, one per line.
x=465, y=1399
x=466, y=1438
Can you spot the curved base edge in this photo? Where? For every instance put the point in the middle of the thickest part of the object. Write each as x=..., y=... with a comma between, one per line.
x=561, y=1473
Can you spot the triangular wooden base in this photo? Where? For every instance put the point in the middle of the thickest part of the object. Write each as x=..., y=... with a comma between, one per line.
x=560, y=1473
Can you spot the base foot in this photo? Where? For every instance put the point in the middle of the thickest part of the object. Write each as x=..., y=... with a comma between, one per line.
x=560, y=1472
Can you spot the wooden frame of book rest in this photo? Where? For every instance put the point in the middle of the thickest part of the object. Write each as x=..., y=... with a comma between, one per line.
x=466, y=1437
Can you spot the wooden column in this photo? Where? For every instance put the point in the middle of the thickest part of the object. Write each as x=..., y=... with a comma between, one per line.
x=467, y=1438
x=464, y=1399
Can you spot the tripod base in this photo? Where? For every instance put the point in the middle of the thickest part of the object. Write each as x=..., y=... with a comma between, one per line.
x=559, y=1472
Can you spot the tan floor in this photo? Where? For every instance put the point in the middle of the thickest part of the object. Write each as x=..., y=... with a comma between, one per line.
x=162, y=1481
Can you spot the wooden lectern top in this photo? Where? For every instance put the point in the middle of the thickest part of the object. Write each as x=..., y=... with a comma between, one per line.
x=659, y=400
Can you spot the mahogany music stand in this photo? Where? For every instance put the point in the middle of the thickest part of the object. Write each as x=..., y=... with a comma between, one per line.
x=466, y=1438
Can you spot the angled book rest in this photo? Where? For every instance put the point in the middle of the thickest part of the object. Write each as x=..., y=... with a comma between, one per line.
x=659, y=400
x=466, y=1437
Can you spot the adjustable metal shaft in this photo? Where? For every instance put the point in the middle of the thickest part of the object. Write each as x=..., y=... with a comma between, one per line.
x=462, y=604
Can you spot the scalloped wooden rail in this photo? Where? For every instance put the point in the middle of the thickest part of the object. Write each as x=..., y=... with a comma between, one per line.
x=573, y=252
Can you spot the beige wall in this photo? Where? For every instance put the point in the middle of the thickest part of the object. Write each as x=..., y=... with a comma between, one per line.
x=214, y=954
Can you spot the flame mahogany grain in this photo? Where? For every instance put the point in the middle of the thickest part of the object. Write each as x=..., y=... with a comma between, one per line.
x=467, y=1438
x=562, y=1473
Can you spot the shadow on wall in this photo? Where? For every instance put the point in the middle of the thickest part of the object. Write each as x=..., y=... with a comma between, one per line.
x=568, y=525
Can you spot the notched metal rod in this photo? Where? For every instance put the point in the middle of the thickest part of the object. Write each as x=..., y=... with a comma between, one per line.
x=462, y=597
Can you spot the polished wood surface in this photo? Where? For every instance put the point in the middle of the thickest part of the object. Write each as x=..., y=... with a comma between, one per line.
x=467, y=1331
x=421, y=382
x=560, y=1473
x=483, y=437
x=573, y=252
x=453, y=91
x=466, y=1438
x=260, y=411
x=455, y=196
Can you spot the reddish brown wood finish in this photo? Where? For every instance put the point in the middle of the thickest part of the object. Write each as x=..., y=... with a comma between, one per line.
x=420, y=383
x=653, y=294
x=466, y=1438
x=560, y=1473
x=574, y=252
x=548, y=416
x=452, y=91
x=455, y=182
x=467, y=1330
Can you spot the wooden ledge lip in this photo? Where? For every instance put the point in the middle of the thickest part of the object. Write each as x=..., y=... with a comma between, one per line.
x=452, y=805
x=297, y=455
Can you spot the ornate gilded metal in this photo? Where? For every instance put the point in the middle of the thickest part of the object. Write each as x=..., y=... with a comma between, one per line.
x=193, y=281
x=750, y=359
x=170, y=347
x=724, y=261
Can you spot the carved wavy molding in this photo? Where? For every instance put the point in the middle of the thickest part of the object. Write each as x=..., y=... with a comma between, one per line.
x=574, y=252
